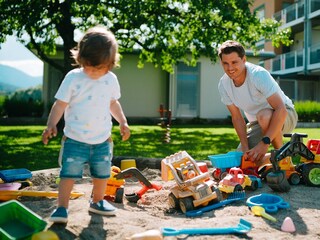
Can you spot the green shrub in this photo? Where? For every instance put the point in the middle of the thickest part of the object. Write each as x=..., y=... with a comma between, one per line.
x=2, y=99
x=308, y=111
x=24, y=103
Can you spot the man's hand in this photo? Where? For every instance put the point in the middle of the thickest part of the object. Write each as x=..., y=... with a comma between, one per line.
x=48, y=133
x=257, y=154
x=125, y=131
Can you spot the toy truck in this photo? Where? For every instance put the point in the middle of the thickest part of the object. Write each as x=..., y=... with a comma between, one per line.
x=115, y=187
x=223, y=162
x=236, y=181
x=286, y=165
x=308, y=170
x=193, y=188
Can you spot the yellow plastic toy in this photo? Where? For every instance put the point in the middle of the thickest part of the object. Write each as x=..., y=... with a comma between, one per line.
x=194, y=188
x=45, y=235
x=115, y=187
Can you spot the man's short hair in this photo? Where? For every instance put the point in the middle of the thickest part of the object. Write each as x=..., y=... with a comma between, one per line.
x=231, y=46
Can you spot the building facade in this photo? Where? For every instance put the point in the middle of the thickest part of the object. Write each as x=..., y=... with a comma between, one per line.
x=296, y=67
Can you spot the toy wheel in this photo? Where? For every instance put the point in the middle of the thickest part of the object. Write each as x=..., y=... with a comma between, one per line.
x=294, y=179
x=219, y=195
x=254, y=185
x=311, y=174
x=265, y=173
x=238, y=188
x=119, y=195
x=222, y=175
x=173, y=201
x=186, y=204
x=216, y=174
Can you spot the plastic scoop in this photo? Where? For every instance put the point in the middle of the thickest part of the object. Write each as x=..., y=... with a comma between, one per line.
x=243, y=227
x=236, y=196
x=259, y=211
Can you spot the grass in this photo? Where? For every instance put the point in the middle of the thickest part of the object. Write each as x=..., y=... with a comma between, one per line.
x=21, y=146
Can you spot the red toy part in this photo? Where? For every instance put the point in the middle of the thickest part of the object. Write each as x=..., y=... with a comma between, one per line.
x=314, y=145
x=145, y=188
x=146, y=184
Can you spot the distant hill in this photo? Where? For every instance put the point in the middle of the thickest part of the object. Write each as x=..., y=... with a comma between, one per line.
x=7, y=88
x=12, y=79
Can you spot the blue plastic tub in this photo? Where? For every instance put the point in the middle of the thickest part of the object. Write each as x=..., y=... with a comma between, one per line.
x=270, y=202
x=11, y=175
x=228, y=160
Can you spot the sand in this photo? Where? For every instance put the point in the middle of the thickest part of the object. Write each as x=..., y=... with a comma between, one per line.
x=152, y=212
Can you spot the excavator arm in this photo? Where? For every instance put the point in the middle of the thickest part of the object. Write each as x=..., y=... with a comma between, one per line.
x=294, y=147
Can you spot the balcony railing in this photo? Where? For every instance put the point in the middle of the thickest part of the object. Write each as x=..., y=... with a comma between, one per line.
x=314, y=56
x=314, y=5
x=294, y=61
x=296, y=11
x=291, y=13
x=290, y=60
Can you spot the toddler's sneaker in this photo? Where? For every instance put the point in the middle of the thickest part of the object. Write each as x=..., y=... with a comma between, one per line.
x=103, y=208
x=60, y=215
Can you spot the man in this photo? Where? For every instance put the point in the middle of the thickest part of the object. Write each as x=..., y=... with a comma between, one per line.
x=250, y=88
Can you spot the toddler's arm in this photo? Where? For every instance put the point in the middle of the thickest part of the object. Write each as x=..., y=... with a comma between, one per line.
x=55, y=115
x=117, y=113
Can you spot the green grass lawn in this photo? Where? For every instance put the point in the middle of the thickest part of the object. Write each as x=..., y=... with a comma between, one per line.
x=21, y=146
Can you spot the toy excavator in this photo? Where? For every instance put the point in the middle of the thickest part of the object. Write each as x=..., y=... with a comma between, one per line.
x=308, y=170
x=146, y=185
x=115, y=187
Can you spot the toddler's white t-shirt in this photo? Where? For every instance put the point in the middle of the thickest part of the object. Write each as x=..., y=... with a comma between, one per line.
x=87, y=116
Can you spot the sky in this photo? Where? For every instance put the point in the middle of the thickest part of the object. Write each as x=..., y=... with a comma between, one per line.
x=14, y=54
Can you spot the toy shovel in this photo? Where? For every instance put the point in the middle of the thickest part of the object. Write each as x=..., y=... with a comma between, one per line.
x=259, y=211
x=243, y=227
x=6, y=195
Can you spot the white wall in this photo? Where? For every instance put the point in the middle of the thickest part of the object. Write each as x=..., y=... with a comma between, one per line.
x=210, y=103
x=142, y=90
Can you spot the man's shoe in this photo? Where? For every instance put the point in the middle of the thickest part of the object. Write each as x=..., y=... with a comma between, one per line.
x=103, y=208
x=60, y=215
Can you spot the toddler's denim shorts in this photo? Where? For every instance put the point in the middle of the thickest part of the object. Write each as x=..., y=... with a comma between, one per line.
x=74, y=155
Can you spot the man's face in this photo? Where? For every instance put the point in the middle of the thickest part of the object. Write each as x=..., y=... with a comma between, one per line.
x=233, y=65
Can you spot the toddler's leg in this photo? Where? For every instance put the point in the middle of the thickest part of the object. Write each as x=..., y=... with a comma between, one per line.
x=98, y=204
x=99, y=189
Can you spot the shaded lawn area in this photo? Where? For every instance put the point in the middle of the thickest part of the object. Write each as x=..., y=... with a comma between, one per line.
x=21, y=146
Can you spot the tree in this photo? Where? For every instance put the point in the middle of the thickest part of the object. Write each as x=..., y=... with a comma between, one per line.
x=163, y=31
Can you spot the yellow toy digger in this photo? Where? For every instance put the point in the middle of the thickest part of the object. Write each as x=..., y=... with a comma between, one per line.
x=308, y=169
x=194, y=188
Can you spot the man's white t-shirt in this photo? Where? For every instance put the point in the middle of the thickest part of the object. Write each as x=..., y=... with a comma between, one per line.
x=251, y=96
x=87, y=116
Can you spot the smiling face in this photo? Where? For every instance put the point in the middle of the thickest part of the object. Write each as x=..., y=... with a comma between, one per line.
x=234, y=66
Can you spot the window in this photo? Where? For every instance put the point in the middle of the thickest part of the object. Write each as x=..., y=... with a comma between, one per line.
x=187, y=90
x=289, y=88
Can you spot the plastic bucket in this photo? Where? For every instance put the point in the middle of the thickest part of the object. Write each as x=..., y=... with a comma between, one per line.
x=127, y=163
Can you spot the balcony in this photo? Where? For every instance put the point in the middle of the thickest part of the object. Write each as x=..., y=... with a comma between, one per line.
x=314, y=57
x=291, y=15
x=293, y=62
x=314, y=6
x=294, y=14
